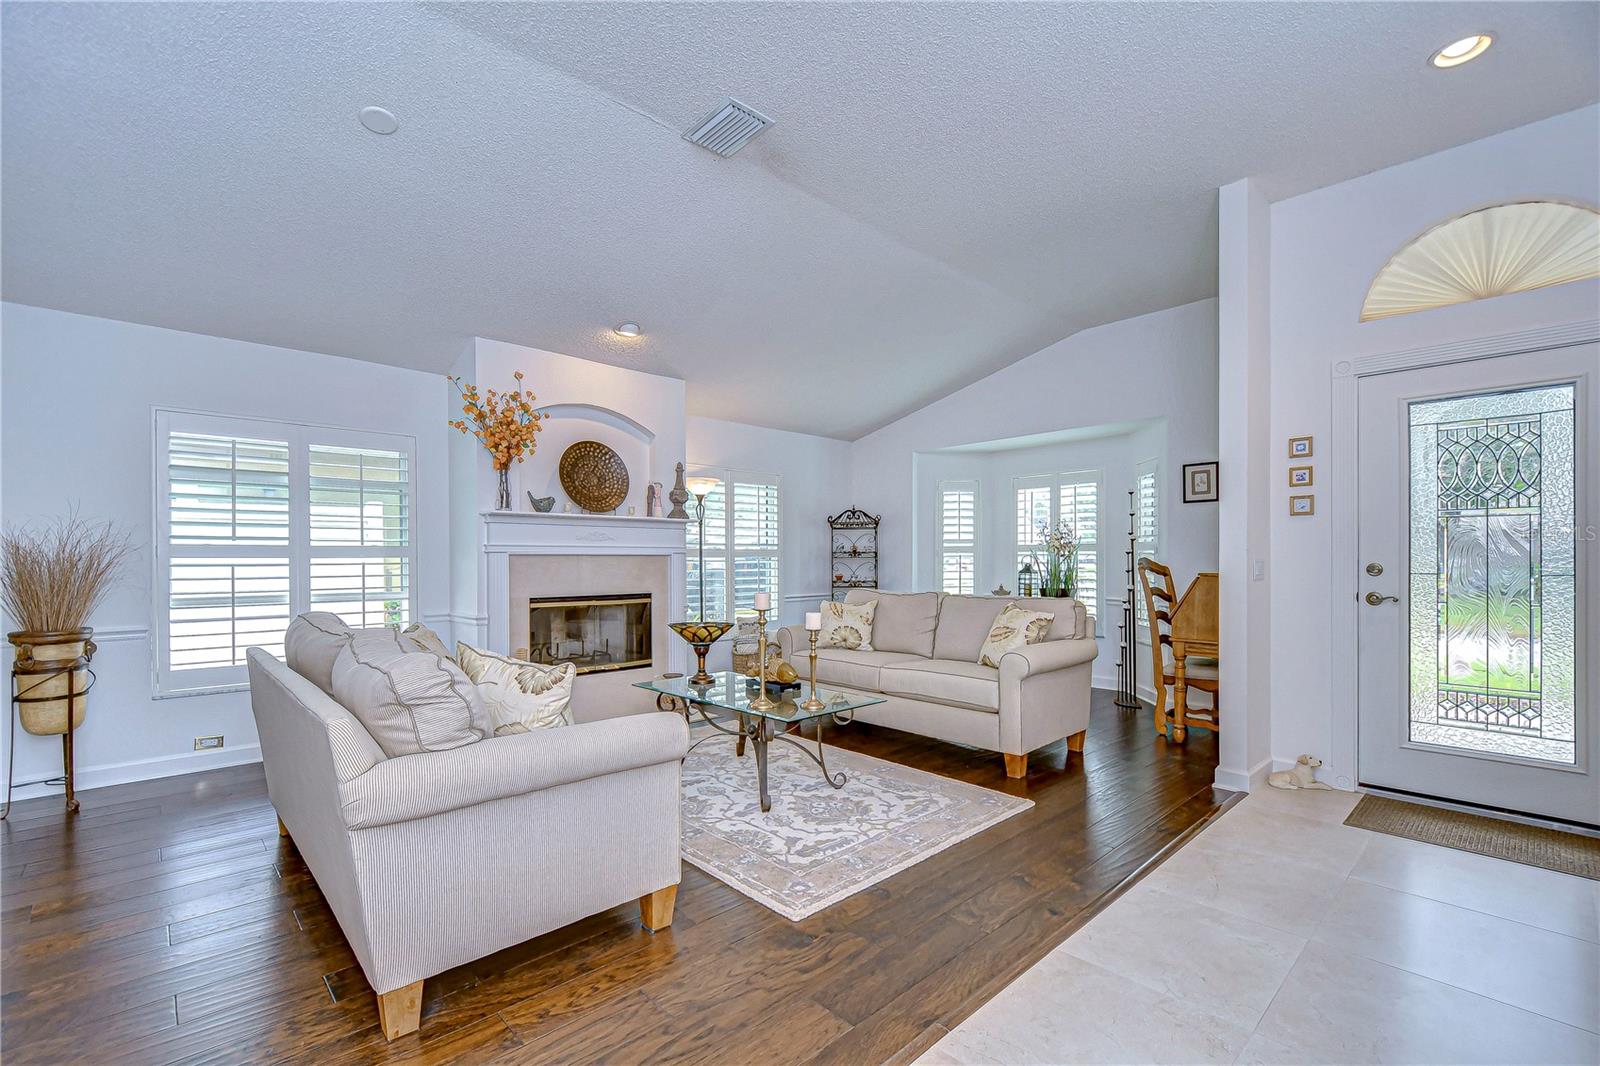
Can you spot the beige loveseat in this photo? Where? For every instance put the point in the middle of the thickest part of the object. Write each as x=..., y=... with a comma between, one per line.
x=434, y=859
x=924, y=660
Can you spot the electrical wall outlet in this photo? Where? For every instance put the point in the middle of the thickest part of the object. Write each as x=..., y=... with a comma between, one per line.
x=207, y=743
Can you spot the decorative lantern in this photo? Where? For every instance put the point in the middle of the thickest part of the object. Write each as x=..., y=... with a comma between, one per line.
x=1025, y=579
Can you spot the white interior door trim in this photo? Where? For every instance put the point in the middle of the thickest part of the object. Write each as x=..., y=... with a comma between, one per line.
x=1342, y=505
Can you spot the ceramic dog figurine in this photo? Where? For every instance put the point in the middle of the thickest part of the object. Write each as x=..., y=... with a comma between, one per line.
x=1302, y=775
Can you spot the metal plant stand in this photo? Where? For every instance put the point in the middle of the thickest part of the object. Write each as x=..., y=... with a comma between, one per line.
x=36, y=675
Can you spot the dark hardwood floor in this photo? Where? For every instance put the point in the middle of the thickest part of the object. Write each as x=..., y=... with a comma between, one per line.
x=168, y=922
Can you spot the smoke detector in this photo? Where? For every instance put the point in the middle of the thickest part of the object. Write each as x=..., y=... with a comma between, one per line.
x=727, y=129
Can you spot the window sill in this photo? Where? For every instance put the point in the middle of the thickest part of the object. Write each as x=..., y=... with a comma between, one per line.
x=209, y=690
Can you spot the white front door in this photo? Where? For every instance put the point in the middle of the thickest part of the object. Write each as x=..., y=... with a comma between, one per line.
x=1477, y=634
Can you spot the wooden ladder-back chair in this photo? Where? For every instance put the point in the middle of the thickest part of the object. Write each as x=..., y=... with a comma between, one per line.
x=1160, y=600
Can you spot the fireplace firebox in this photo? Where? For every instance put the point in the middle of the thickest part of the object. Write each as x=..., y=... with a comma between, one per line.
x=594, y=633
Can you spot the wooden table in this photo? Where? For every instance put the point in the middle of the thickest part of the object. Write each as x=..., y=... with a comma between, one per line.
x=1194, y=632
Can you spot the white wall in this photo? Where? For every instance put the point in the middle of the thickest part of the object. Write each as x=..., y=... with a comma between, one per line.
x=1156, y=366
x=78, y=401
x=1325, y=248
x=814, y=473
x=1186, y=545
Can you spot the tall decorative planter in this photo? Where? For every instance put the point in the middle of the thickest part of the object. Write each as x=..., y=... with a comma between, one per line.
x=51, y=580
x=50, y=677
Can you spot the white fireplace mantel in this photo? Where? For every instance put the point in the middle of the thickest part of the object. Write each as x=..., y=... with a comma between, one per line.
x=509, y=533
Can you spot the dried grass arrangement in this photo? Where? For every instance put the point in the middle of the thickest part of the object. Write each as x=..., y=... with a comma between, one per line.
x=53, y=576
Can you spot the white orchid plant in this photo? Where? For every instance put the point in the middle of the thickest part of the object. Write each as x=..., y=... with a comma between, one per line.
x=1059, y=568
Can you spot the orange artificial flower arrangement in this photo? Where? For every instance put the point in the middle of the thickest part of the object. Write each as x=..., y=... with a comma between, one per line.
x=505, y=423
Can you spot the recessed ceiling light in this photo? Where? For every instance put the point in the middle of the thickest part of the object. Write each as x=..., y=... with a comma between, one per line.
x=1462, y=51
x=628, y=329
x=378, y=120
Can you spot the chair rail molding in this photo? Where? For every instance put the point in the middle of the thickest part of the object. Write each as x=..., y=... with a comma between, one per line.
x=1342, y=504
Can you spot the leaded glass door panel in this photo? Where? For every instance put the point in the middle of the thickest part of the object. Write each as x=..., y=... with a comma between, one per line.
x=1475, y=487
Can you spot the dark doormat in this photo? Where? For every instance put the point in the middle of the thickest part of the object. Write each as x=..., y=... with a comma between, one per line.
x=1532, y=845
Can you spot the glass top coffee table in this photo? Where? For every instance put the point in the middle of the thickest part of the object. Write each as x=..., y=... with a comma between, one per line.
x=727, y=700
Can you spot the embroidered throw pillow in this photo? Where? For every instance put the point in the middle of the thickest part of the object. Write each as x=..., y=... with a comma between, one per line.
x=1015, y=627
x=517, y=692
x=847, y=625
x=410, y=701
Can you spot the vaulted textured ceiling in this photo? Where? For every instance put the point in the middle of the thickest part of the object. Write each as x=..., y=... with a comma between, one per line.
x=947, y=188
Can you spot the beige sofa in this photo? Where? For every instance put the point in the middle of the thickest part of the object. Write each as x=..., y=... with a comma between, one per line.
x=924, y=661
x=435, y=859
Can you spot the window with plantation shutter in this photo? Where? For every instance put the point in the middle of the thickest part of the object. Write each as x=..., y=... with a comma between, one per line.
x=257, y=521
x=742, y=539
x=1147, y=526
x=755, y=542
x=1073, y=499
x=1034, y=506
x=1079, y=507
x=958, y=537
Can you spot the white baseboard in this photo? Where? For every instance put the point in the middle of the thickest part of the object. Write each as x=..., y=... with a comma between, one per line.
x=1244, y=781
x=89, y=777
x=1109, y=683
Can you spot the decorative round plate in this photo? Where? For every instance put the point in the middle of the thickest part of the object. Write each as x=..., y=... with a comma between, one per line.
x=594, y=476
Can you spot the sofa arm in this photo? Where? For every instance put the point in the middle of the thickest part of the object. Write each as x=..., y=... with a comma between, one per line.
x=418, y=786
x=792, y=642
x=1044, y=692
x=1047, y=656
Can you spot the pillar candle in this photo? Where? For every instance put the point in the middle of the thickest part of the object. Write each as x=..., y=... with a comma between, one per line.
x=813, y=620
x=763, y=601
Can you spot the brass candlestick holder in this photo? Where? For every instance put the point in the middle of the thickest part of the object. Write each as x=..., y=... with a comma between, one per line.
x=762, y=702
x=812, y=703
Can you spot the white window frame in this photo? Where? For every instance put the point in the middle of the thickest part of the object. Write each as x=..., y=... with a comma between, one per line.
x=166, y=682
x=730, y=476
x=954, y=545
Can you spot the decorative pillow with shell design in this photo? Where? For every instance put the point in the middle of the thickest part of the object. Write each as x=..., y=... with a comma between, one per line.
x=1015, y=627
x=516, y=692
x=847, y=625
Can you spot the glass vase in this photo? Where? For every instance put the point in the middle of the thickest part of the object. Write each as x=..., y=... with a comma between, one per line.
x=503, y=503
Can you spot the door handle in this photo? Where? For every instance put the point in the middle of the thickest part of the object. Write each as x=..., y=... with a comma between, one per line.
x=1376, y=600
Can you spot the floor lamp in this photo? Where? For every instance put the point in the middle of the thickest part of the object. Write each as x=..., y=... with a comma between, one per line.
x=701, y=634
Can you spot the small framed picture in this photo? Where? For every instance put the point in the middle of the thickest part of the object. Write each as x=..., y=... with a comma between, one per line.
x=1299, y=477
x=1200, y=482
x=1299, y=447
x=1301, y=506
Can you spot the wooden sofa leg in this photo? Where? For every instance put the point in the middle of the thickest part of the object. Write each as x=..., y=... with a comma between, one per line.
x=655, y=910
x=1075, y=741
x=400, y=1011
x=283, y=830
x=1016, y=765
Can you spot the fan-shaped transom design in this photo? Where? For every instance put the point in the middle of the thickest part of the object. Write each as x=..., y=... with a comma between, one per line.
x=1489, y=252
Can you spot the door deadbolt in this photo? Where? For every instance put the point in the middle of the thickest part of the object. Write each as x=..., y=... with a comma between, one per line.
x=1375, y=600
x=1374, y=569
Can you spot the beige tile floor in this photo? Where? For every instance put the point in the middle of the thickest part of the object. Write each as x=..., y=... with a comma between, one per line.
x=1281, y=935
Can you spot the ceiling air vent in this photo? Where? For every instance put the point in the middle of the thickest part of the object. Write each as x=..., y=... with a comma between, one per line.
x=728, y=128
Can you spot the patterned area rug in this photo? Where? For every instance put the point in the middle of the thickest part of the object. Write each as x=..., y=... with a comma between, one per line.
x=819, y=845
x=1532, y=845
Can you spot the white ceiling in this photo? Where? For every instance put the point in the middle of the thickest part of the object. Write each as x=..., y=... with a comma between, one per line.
x=948, y=187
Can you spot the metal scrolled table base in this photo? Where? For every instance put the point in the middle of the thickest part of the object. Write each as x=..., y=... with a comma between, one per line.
x=758, y=730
